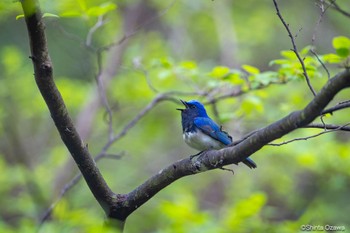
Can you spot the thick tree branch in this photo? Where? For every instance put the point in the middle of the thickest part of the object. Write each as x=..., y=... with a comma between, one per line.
x=213, y=159
x=44, y=79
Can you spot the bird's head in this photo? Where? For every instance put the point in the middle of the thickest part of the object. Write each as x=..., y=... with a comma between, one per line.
x=193, y=108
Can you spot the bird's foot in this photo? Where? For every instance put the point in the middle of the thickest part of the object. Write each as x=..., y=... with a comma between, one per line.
x=227, y=169
x=198, y=154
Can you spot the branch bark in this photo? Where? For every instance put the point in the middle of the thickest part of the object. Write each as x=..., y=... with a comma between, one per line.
x=120, y=206
x=44, y=79
x=214, y=159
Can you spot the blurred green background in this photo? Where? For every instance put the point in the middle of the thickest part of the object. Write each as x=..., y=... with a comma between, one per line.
x=210, y=47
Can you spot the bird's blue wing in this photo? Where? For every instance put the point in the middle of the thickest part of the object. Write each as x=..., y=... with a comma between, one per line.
x=210, y=128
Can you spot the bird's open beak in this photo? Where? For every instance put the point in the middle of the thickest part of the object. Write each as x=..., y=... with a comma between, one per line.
x=184, y=103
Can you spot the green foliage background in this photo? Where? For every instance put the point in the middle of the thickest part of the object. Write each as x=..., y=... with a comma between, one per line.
x=179, y=49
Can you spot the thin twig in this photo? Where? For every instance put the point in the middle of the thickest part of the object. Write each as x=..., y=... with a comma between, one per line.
x=159, y=98
x=64, y=190
x=237, y=92
x=100, y=22
x=138, y=65
x=323, y=123
x=323, y=11
x=101, y=87
x=336, y=7
x=295, y=50
x=70, y=185
x=309, y=137
x=103, y=97
x=327, y=127
x=139, y=27
x=339, y=106
x=321, y=62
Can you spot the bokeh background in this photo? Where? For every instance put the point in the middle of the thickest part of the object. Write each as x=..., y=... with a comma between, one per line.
x=152, y=47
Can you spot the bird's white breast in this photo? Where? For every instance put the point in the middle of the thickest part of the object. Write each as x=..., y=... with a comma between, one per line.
x=200, y=141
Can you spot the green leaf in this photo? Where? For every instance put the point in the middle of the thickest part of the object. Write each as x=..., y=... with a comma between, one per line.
x=341, y=42
x=252, y=104
x=306, y=160
x=72, y=13
x=305, y=50
x=342, y=52
x=267, y=77
x=183, y=210
x=190, y=65
x=101, y=9
x=245, y=209
x=82, y=4
x=164, y=74
x=166, y=62
x=289, y=54
x=236, y=79
x=50, y=15
x=219, y=71
x=332, y=58
x=278, y=62
x=19, y=16
x=251, y=69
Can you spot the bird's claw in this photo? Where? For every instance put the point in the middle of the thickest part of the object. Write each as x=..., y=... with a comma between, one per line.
x=198, y=154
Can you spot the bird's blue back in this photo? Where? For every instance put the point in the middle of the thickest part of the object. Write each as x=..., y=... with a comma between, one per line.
x=198, y=128
x=209, y=127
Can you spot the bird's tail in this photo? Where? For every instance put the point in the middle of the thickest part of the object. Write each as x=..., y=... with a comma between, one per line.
x=250, y=163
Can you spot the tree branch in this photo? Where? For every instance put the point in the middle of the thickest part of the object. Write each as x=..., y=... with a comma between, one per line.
x=328, y=129
x=214, y=159
x=340, y=106
x=338, y=8
x=295, y=50
x=44, y=80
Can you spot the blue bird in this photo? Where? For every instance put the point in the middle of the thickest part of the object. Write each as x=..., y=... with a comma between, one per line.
x=201, y=132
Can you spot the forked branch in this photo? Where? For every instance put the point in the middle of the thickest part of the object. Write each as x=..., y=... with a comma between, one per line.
x=120, y=206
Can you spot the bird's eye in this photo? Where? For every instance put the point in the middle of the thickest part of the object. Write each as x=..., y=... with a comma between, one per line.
x=192, y=106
